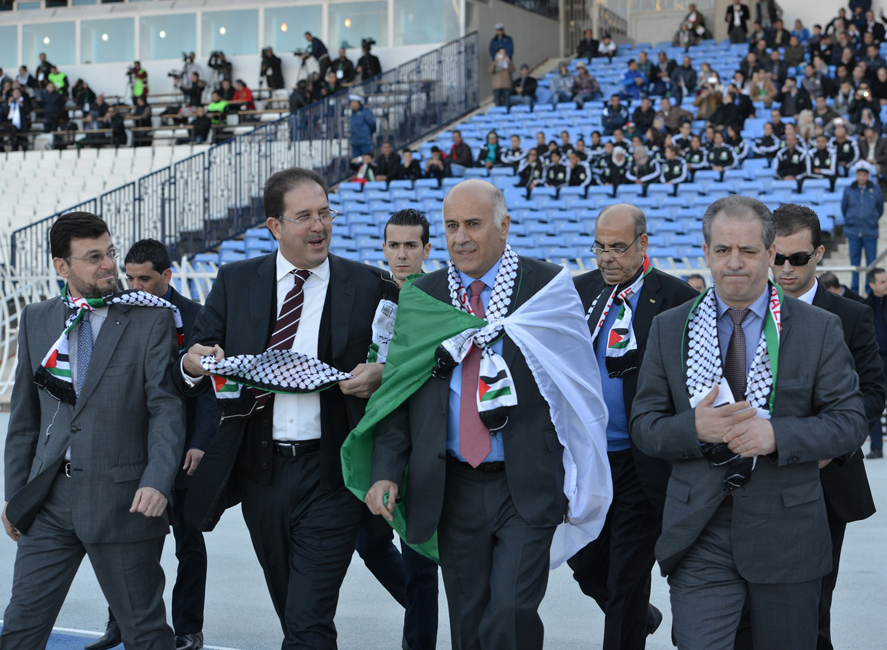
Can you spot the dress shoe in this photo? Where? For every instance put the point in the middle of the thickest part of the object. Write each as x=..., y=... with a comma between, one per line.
x=189, y=641
x=111, y=638
x=875, y=453
x=654, y=619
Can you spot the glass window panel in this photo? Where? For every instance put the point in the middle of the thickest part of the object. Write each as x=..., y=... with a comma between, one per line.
x=28, y=5
x=78, y=3
x=232, y=32
x=57, y=40
x=166, y=37
x=107, y=41
x=417, y=22
x=285, y=27
x=351, y=22
x=9, y=49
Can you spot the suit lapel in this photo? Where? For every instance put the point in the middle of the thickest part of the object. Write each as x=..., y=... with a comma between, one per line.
x=437, y=287
x=822, y=299
x=341, y=295
x=263, y=292
x=105, y=347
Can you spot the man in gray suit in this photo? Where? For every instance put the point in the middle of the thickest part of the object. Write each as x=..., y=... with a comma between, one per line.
x=92, y=452
x=745, y=519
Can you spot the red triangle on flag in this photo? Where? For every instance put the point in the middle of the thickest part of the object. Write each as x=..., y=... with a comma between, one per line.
x=219, y=381
x=482, y=388
x=53, y=359
x=615, y=338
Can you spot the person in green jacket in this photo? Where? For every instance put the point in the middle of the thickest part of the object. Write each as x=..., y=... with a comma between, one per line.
x=138, y=77
x=217, y=108
x=59, y=80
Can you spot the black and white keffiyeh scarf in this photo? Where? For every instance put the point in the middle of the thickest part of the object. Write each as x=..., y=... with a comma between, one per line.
x=496, y=392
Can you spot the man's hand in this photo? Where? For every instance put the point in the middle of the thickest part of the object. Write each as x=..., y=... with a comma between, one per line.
x=375, y=498
x=713, y=424
x=11, y=530
x=149, y=502
x=753, y=437
x=192, y=460
x=367, y=379
x=191, y=363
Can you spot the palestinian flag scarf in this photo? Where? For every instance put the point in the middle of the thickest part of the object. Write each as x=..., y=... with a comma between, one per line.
x=622, y=346
x=54, y=373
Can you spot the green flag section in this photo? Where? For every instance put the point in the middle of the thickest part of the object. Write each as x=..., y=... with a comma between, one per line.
x=423, y=323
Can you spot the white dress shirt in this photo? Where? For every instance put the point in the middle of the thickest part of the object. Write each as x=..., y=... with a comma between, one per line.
x=808, y=297
x=96, y=320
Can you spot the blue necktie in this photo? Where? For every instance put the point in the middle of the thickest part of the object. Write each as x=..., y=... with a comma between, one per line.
x=84, y=350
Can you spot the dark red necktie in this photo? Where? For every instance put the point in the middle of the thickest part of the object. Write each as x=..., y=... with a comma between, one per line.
x=474, y=437
x=287, y=324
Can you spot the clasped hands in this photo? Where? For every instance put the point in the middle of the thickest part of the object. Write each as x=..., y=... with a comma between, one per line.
x=737, y=425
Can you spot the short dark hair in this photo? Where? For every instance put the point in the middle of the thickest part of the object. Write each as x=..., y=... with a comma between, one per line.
x=409, y=217
x=696, y=276
x=279, y=183
x=149, y=250
x=792, y=218
x=74, y=225
x=873, y=274
x=740, y=206
x=829, y=280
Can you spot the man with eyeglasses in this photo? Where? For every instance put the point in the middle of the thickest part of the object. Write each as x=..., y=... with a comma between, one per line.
x=95, y=437
x=622, y=297
x=309, y=315
x=848, y=496
x=745, y=522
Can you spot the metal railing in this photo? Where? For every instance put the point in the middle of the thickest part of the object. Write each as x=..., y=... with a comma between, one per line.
x=547, y=8
x=197, y=203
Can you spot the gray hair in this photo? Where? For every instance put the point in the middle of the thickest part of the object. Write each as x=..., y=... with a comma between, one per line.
x=637, y=215
x=500, y=206
x=740, y=207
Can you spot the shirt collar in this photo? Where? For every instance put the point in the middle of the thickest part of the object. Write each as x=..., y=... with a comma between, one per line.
x=488, y=278
x=284, y=266
x=168, y=295
x=758, y=307
x=808, y=297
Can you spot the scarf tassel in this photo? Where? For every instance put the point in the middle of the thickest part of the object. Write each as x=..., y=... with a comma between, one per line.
x=59, y=389
x=618, y=367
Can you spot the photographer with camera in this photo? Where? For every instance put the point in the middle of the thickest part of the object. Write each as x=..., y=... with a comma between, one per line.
x=708, y=98
x=138, y=79
x=219, y=63
x=368, y=65
x=318, y=52
x=193, y=93
x=189, y=66
x=271, y=71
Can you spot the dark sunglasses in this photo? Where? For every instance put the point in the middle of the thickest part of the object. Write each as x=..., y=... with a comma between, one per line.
x=798, y=259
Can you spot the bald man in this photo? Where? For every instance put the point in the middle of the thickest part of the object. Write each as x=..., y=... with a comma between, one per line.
x=622, y=297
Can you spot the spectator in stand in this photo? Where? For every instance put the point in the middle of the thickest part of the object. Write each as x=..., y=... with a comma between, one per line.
x=846, y=149
x=683, y=80
x=824, y=115
x=588, y=46
x=674, y=169
x=643, y=116
x=794, y=99
x=201, y=125
x=643, y=169
x=578, y=171
x=758, y=38
x=300, y=97
x=83, y=96
x=501, y=41
x=815, y=40
x=750, y=64
x=684, y=38
x=615, y=168
x=707, y=100
x=814, y=84
x=584, y=154
x=435, y=166
x=779, y=36
x=368, y=65
x=862, y=99
x=862, y=206
x=530, y=171
x=767, y=145
x=791, y=163
x=695, y=22
x=141, y=115
x=114, y=121
x=363, y=126
x=830, y=281
x=555, y=172
x=318, y=52
x=845, y=53
x=561, y=85
x=844, y=97
x=673, y=117
x=620, y=141
x=501, y=69
x=821, y=162
x=226, y=90
x=607, y=48
x=660, y=74
x=515, y=154
x=721, y=156
x=794, y=53
x=761, y=89
x=460, y=157
x=490, y=154
x=836, y=24
x=873, y=60
x=801, y=33
x=410, y=169
x=271, y=69
x=737, y=19
x=645, y=67
x=777, y=68
x=879, y=86
x=366, y=171
x=696, y=156
x=596, y=148
x=585, y=86
x=767, y=12
x=873, y=27
x=60, y=81
x=634, y=83
x=243, y=97
x=614, y=116
x=873, y=150
x=868, y=120
x=344, y=68
x=733, y=138
x=681, y=140
x=523, y=90
x=727, y=112
x=4, y=78
x=54, y=113
x=43, y=70
x=388, y=165
x=566, y=146
x=329, y=85
x=15, y=120
x=26, y=79
x=194, y=91
x=96, y=112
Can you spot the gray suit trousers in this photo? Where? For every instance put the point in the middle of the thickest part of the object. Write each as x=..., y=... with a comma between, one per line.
x=46, y=562
x=708, y=594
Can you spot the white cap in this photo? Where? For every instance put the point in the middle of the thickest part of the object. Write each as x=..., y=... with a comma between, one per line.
x=863, y=166
x=356, y=98
x=499, y=26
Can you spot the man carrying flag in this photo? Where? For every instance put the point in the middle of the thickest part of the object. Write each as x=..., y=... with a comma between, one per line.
x=491, y=477
x=622, y=297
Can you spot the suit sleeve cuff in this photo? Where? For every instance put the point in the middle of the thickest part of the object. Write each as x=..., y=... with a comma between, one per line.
x=189, y=380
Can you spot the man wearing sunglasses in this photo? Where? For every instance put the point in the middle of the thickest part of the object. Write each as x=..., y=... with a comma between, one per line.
x=622, y=297
x=844, y=483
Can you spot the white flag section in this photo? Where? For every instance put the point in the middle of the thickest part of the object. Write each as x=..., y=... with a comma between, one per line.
x=551, y=332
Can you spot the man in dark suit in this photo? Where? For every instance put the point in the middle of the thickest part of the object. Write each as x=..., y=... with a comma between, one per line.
x=282, y=455
x=615, y=568
x=737, y=19
x=729, y=519
x=848, y=496
x=877, y=300
x=494, y=499
x=830, y=281
x=92, y=452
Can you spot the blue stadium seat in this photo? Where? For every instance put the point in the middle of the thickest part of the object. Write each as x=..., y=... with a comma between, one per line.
x=476, y=172
x=431, y=183
x=377, y=195
x=629, y=189
x=231, y=255
x=233, y=245
x=375, y=185
x=520, y=108
x=817, y=183
x=497, y=110
x=405, y=184
x=542, y=190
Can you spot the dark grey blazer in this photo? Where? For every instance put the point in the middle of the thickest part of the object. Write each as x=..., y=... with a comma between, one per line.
x=780, y=530
x=416, y=433
x=126, y=431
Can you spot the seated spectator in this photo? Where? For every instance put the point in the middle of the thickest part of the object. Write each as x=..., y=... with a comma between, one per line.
x=721, y=156
x=54, y=113
x=546, y=157
x=410, y=170
x=645, y=67
x=555, y=172
x=873, y=150
x=523, y=90
x=434, y=166
x=873, y=60
x=846, y=57
x=15, y=120
x=588, y=46
x=683, y=80
x=822, y=161
x=388, y=165
x=114, y=121
x=768, y=144
x=607, y=47
x=727, y=112
x=761, y=89
x=96, y=112
x=794, y=99
x=578, y=171
x=366, y=171
x=660, y=74
x=596, y=147
x=600, y=163
x=842, y=75
x=794, y=53
x=614, y=115
x=696, y=156
x=815, y=44
x=490, y=154
x=707, y=101
x=674, y=169
x=673, y=117
x=585, y=86
x=749, y=65
x=226, y=90
x=59, y=80
x=779, y=36
x=824, y=115
x=201, y=125
x=501, y=69
x=634, y=83
x=565, y=146
x=872, y=26
x=583, y=153
x=243, y=97
x=868, y=120
x=681, y=140
x=459, y=158
x=620, y=141
x=515, y=154
x=300, y=97
x=643, y=115
x=530, y=171
x=330, y=84
x=561, y=85
x=733, y=137
x=654, y=141
x=791, y=162
x=862, y=99
x=644, y=169
x=344, y=68
x=194, y=92
x=879, y=86
x=684, y=38
x=777, y=68
x=844, y=97
x=802, y=33
x=84, y=97
x=615, y=168
x=541, y=145
x=814, y=84
x=217, y=108
x=757, y=35
x=708, y=137
x=802, y=144
x=26, y=79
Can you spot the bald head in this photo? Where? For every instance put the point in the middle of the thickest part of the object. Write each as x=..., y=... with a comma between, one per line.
x=476, y=222
x=622, y=227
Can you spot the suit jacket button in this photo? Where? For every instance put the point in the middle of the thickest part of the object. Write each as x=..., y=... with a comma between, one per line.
x=264, y=465
x=264, y=443
x=75, y=429
x=266, y=422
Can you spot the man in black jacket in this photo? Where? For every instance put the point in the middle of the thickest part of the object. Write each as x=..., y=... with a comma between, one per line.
x=877, y=300
x=625, y=292
x=523, y=89
x=588, y=46
x=388, y=164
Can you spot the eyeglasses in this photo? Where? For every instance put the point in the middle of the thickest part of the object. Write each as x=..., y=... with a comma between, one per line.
x=325, y=218
x=615, y=252
x=798, y=259
x=96, y=258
